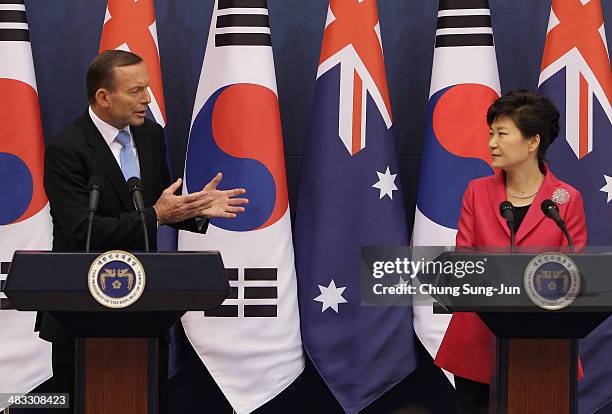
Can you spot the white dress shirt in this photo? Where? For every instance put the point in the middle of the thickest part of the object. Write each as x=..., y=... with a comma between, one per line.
x=109, y=133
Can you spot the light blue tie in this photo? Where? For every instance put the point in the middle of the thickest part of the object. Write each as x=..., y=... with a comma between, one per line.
x=127, y=158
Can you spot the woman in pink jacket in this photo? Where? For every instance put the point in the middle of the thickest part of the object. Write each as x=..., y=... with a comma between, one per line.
x=522, y=126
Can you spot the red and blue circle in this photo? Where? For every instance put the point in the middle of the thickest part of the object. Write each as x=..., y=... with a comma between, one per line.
x=21, y=153
x=455, y=149
x=238, y=132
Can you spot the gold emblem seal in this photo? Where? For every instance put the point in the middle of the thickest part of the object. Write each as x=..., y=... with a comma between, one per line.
x=116, y=279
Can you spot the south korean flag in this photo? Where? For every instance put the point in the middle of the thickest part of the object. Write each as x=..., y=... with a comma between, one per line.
x=25, y=222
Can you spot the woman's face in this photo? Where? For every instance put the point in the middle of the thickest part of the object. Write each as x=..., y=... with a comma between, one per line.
x=508, y=147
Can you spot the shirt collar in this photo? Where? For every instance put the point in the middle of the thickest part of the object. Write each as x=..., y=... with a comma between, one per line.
x=109, y=132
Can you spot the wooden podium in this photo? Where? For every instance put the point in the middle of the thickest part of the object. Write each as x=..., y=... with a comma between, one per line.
x=536, y=356
x=116, y=349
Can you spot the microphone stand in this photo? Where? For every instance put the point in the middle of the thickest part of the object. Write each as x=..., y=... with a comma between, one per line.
x=512, y=236
x=570, y=242
x=90, y=220
x=141, y=218
x=505, y=210
x=95, y=188
x=135, y=187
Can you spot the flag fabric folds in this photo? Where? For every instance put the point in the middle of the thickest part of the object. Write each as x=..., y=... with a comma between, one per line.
x=464, y=83
x=350, y=196
x=251, y=344
x=25, y=222
x=575, y=74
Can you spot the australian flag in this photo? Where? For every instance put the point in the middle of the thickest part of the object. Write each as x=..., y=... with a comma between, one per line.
x=350, y=197
x=575, y=74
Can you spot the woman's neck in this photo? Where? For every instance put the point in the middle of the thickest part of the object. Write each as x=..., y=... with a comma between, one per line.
x=522, y=184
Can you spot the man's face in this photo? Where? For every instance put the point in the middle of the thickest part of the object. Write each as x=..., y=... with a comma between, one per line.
x=128, y=98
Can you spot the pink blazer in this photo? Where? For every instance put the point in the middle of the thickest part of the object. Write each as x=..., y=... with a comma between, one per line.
x=467, y=347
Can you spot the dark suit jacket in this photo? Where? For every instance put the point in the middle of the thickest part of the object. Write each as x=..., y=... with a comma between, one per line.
x=467, y=347
x=71, y=159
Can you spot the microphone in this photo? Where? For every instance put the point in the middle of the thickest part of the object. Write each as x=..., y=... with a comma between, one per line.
x=550, y=210
x=96, y=184
x=507, y=212
x=135, y=187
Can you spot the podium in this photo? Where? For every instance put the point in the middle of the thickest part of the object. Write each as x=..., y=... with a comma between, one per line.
x=116, y=348
x=536, y=356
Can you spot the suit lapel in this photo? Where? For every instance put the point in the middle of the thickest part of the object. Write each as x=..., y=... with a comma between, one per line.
x=107, y=162
x=497, y=194
x=534, y=214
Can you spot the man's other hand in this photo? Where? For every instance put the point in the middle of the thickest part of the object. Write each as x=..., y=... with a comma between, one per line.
x=220, y=203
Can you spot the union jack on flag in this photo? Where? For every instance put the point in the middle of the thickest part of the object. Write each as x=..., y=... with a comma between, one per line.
x=362, y=68
x=576, y=43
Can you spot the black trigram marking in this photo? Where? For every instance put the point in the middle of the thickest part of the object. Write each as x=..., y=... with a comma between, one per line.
x=4, y=302
x=237, y=29
x=260, y=292
x=246, y=289
x=243, y=39
x=242, y=4
x=455, y=17
x=232, y=274
x=11, y=34
x=260, y=273
x=260, y=311
x=12, y=16
x=464, y=39
x=14, y=35
x=448, y=22
x=224, y=311
x=463, y=4
x=243, y=20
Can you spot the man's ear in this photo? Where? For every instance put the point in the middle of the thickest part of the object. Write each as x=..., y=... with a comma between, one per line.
x=102, y=97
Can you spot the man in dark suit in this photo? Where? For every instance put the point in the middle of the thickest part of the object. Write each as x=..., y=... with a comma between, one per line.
x=115, y=141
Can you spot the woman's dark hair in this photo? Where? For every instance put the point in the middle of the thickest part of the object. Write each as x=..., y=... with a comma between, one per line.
x=101, y=74
x=532, y=114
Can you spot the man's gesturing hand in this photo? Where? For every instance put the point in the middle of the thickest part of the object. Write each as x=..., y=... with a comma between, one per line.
x=208, y=202
x=219, y=203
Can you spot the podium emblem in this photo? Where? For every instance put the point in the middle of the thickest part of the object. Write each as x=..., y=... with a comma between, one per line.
x=116, y=279
x=552, y=281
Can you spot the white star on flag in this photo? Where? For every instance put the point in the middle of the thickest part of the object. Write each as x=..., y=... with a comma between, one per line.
x=330, y=296
x=386, y=183
x=608, y=187
x=402, y=283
